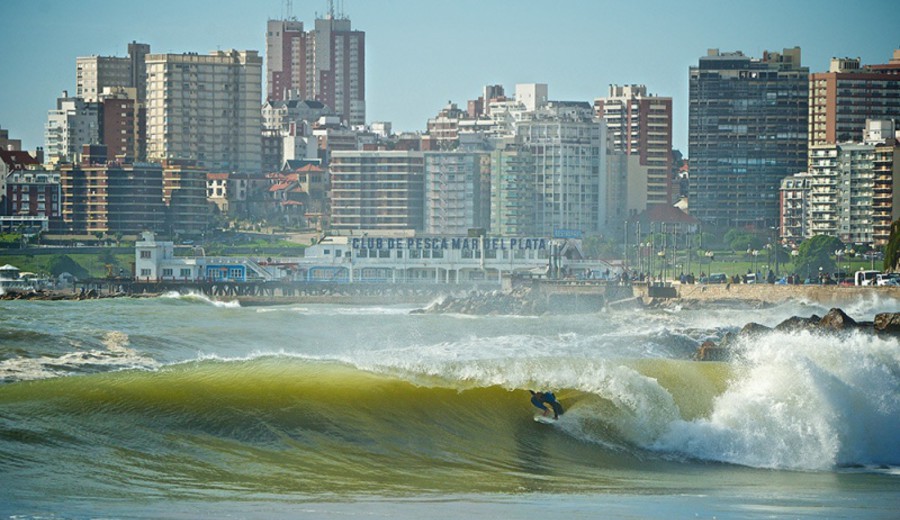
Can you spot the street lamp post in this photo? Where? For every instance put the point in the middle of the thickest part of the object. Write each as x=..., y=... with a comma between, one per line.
x=662, y=264
x=690, y=249
x=794, y=254
x=711, y=256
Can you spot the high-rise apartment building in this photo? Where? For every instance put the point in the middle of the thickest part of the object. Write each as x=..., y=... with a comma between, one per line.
x=205, y=109
x=841, y=99
x=568, y=146
x=457, y=194
x=794, y=200
x=841, y=191
x=71, y=125
x=285, y=59
x=747, y=131
x=444, y=127
x=327, y=64
x=639, y=124
x=107, y=197
x=852, y=190
x=184, y=194
x=886, y=196
x=512, y=192
x=377, y=190
x=121, y=121
x=94, y=73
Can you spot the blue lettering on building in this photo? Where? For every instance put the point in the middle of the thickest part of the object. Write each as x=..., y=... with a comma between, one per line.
x=455, y=243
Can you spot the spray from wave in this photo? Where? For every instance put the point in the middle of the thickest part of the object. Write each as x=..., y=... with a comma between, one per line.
x=801, y=401
x=195, y=297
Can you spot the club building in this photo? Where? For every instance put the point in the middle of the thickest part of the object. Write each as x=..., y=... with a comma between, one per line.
x=365, y=259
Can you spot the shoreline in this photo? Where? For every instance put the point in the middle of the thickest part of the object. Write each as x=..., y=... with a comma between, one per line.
x=640, y=294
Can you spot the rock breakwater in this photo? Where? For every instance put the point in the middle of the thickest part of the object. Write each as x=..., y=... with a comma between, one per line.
x=836, y=321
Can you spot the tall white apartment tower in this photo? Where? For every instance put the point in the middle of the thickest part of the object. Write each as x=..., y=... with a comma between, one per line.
x=205, y=109
x=568, y=148
x=74, y=123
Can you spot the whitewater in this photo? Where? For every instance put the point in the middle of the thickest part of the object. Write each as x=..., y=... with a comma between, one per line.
x=165, y=407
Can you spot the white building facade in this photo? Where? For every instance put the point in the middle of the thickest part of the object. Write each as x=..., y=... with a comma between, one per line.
x=841, y=192
x=568, y=147
x=205, y=109
x=74, y=123
x=432, y=259
x=456, y=192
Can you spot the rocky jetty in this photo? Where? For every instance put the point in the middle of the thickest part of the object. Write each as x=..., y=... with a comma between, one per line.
x=835, y=321
x=57, y=295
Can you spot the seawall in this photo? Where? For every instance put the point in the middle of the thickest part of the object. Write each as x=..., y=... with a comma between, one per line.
x=823, y=294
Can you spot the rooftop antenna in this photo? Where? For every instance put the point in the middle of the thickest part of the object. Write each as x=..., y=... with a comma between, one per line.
x=330, y=9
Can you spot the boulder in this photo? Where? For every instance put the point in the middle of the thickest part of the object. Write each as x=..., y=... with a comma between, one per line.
x=796, y=323
x=754, y=329
x=836, y=319
x=887, y=322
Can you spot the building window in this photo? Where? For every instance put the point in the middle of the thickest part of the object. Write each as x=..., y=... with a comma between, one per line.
x=167, y=272
x=185, y=273
x=146, y=254
x=145, y=273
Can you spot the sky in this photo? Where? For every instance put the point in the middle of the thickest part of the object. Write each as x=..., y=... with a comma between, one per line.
x=420, y=54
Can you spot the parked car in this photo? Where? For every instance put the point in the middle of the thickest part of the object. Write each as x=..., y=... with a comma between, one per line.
x=865, y=277
x=717, y=278
x=888, y=279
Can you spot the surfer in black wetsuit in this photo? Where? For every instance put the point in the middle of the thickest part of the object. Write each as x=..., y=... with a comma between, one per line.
x=541, y=399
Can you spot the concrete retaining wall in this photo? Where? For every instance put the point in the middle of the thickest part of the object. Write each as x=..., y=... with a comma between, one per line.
x=823, y=294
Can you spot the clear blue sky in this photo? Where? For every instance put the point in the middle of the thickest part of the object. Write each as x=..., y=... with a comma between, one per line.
x=422, y=53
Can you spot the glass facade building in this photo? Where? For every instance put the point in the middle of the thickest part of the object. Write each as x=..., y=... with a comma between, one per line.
x=747, y=132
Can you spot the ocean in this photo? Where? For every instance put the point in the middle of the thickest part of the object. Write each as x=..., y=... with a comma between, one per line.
x=182, y=407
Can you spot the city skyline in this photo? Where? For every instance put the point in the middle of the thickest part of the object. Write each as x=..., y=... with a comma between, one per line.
x=578, y=49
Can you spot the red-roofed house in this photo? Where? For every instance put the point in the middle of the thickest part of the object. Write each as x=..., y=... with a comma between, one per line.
x=285, y=200
x=670, y=218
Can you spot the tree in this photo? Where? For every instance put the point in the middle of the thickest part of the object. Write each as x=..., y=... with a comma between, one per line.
x=107, y=257
x=815, y=253
x=64, y=264
x=741, y=240
x=892, y=249
x=599, y=247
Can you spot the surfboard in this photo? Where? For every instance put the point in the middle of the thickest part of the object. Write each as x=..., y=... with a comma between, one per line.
x=544, y=419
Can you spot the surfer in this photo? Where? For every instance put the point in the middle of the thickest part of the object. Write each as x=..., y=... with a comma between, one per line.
x=541, y=399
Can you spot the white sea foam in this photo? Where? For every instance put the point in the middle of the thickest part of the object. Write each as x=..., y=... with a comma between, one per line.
x=116, y=354
x=200, y=298
x=802, y=401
